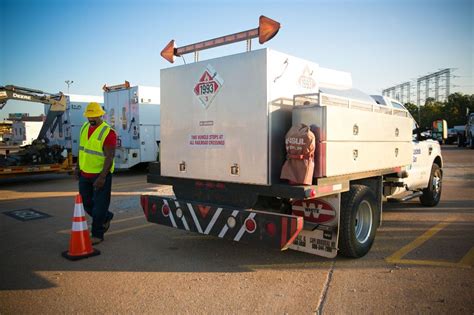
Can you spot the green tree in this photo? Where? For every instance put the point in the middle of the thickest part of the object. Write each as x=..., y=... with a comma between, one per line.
x=453, y=110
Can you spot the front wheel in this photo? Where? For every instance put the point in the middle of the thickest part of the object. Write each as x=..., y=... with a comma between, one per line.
x=432, y=193
x=360, y=215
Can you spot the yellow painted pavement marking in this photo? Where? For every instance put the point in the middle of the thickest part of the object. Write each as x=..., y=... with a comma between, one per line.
x=131, y=228
x=397, y=257
x=418, y=241
x=114, y=221
x=468, y=260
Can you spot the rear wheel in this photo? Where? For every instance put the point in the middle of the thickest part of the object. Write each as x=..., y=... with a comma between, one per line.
x=432, y=193
x=359, y=220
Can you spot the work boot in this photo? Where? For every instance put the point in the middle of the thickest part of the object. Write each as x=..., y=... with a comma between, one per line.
x=96, y=240
x=107, y=223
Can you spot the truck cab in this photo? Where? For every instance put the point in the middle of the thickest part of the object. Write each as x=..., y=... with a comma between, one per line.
x=424, y=176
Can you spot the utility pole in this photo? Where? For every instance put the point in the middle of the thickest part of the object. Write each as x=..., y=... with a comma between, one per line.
x=68, y=82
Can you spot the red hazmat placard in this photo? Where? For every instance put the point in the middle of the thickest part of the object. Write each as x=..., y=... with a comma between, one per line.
x=208, y=86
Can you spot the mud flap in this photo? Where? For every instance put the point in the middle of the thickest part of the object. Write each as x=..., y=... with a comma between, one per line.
x=320, y=233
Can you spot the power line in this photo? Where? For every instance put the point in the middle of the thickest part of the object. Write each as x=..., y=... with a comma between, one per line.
x=436, y=85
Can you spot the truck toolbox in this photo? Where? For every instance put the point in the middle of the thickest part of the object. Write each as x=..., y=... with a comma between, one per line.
x=354, y=134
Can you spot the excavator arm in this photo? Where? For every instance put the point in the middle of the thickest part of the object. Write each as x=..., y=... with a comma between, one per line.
x=57, y=103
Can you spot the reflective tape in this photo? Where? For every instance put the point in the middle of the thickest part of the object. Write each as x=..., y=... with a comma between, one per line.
x=101, y=134
x=214, y=219
x=89, y=151
x=79, y=226
x=196, y=222
x=79, y=210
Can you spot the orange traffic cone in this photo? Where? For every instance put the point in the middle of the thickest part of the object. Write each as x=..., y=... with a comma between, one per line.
x=80, y=245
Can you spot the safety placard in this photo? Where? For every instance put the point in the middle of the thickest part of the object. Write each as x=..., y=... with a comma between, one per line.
x=314, y=211
x=305, y=80
x=211, y=140
x=209, y=85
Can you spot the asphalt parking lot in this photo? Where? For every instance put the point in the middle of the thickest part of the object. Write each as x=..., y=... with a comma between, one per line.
x=421, y=262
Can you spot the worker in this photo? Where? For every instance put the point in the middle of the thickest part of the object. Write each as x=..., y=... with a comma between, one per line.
x=94, y=169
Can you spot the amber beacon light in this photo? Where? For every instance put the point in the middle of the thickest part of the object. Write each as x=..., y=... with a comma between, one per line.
x=266, y=30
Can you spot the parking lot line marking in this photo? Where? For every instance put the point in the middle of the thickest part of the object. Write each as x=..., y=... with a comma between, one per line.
x=121, y=186
x=466, y=262
x=468, y=259
x=114, y=221
x=436, y=263
x=116, y=231
x=129, y=219
x=418, y=241
x=131, y=228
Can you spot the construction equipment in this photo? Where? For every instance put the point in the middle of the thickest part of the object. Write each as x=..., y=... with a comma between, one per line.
x=57, y=103
x=39, y=157
x=72, y=121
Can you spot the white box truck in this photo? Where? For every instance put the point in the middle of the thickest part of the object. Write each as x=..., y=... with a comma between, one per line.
x=223, y=124
x=26, y=130
x=66, y=132
x=134, y=113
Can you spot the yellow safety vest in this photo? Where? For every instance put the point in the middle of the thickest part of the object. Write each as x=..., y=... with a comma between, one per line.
x=91, y=151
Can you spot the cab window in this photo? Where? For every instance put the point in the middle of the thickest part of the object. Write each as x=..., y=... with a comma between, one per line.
x=397, y=105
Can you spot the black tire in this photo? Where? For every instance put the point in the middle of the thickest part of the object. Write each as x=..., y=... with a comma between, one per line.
x=432, y=194
x=357, y=235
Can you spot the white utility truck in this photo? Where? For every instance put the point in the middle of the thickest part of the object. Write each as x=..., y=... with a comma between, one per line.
x=223, y=124
x=134, y=113
x=65, y=132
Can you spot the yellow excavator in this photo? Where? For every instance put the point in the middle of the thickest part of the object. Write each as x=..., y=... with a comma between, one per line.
x=39, y=157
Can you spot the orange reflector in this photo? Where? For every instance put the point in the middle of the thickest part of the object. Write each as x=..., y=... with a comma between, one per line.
x=169, y=51
x=267, y=29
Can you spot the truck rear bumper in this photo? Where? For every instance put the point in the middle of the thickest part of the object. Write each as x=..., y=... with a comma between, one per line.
x=241, y=225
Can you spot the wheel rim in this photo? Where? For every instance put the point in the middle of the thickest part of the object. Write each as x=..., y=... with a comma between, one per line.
x=436, y=183
x=363, y=223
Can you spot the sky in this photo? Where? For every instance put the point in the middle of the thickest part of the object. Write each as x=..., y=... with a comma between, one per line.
x=93, y=42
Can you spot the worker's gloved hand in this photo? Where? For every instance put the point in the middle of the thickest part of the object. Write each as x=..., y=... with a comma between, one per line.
x=99, y=183
x=76, y=173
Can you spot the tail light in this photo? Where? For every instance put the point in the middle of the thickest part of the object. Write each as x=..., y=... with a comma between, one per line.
x=250, y=225
x=271, y=229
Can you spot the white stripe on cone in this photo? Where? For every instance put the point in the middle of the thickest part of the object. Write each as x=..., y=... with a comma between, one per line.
x=79, y=226
x=79, y=210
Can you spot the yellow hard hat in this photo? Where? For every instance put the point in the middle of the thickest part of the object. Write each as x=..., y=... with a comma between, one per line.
x=94, y=110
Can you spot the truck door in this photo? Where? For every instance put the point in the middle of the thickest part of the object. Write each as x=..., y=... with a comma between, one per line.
x=418, y=175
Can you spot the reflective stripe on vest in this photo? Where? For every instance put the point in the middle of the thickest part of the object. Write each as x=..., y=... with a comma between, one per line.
x=91, y=152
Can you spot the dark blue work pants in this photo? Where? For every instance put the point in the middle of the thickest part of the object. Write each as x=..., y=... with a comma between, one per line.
x=96, y=202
